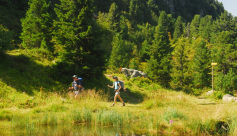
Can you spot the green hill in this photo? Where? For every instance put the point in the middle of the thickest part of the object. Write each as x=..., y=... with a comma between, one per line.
x=43, y=43
x=31, y=100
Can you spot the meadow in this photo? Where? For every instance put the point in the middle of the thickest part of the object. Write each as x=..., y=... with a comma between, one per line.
x=30, y=99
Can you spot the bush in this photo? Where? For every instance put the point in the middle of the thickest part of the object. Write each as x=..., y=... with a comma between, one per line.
x=226, y=83
x=5, y=38
x=218, y=95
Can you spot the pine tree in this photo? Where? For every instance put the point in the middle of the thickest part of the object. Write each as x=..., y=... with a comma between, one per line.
x=108, y=22
x=159, y=64
x=226, y=83
x=224, y=53
x=205, y=27
x=37, y=26
x=201, y=66
x=224, y=23
x=178, y=31
x=152, y=8
x=78, y=35
x=112, y=18
x=134, y=62
x=180, y=63
x=119, y=56
x=5, y=38
x=194, y=27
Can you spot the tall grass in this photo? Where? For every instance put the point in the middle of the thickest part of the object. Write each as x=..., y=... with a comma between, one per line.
x=90, y=108
x=149, y=107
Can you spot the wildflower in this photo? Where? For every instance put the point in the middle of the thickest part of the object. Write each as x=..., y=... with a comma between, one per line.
x=171, y=121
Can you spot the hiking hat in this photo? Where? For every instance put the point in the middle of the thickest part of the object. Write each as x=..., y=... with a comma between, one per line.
x=115, y=77
x=74, y=76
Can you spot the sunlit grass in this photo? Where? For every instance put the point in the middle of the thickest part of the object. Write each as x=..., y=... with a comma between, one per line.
x=149, y=107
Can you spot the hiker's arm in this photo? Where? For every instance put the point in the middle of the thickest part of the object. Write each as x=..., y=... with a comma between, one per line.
x=111, y=86
x=119, y=87
x=71, y=87
x=79, y=85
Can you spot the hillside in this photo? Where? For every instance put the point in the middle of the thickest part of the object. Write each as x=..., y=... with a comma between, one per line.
x=13, y=10
x=145, y=8
x=150, y=108
x=43, y=43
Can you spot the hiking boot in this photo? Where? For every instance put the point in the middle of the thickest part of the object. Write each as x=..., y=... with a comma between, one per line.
x=112, y=105
x=123, y=104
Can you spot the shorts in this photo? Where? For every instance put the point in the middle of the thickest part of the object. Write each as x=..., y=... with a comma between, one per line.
x=76, y=92
x=116, y=93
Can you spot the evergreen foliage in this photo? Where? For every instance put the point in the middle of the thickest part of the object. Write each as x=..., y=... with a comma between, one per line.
x=160, y=52
x=119, y=55
x=226, y=83
x=37, y=26
x=178, y=28
x=5, y=38
x=174, y=38
x=11, y=11
x=205, y=27
x=201, y=66
x=180, y=63
x=78, y=35
x=194, y=27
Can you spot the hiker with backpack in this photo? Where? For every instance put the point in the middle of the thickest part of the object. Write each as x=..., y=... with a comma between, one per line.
x=76, y=85
x=117, y=87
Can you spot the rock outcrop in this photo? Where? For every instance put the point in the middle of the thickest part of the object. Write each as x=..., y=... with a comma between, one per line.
x=229, y=98
x=133, y=73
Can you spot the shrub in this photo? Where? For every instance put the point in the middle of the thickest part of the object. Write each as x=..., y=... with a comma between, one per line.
x=226, y=83
x=5, y=38
x=218, y=95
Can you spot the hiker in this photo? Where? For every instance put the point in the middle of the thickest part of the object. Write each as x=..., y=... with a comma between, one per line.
x=117, y=87
x=76, y=85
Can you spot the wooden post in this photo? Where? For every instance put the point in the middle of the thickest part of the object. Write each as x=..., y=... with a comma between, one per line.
x=212, y=79
x=213, y=64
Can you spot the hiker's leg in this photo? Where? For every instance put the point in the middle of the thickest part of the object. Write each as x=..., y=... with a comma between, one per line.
x=120, y=98
x=123, y=104
x=76, y=93
x=115, y=97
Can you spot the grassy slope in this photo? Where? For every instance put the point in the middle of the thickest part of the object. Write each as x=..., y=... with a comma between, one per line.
x=28, y=97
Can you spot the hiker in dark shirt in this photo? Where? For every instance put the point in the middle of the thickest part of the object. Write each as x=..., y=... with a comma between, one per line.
x=76, y=85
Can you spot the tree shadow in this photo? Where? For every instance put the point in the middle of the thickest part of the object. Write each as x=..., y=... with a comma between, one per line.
x=207, y=104
x=102, y=82
x=25, y=75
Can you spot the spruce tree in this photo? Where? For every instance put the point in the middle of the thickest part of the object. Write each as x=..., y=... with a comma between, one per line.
x=78, y=36
x=119, y=56
x=108, y=22
x=5, y=38
x=205, y=27
x=178, y=30
x=37, y=26
x=160, y=54
x=225, y=22
x=194, y=27
x=201, y=66
x=180, y=63
x=224, y=53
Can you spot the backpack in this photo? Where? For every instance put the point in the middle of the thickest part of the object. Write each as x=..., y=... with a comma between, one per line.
x=121, y=84
x=80, y=80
